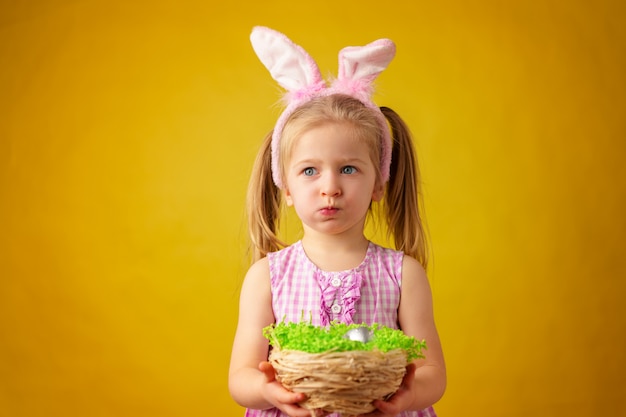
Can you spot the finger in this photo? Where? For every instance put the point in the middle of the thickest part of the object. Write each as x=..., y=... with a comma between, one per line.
x=383, y=408
x=268, y=371
x=289, y=404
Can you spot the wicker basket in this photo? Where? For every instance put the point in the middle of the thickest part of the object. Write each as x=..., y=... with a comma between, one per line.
x=340, y=382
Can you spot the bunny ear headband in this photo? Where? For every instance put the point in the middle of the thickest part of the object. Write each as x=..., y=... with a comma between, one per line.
x=294, y=69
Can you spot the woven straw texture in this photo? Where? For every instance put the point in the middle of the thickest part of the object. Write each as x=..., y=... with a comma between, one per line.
x=340, y=382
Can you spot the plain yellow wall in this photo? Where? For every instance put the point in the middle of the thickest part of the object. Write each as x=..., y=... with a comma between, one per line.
x=127, y=132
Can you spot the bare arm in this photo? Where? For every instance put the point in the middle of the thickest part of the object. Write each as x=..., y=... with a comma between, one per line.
x=416, y=319
x=251, y=379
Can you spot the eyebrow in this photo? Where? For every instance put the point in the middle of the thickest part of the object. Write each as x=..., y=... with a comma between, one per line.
x=341, y=161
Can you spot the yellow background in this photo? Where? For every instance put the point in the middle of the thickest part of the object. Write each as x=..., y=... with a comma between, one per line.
x=127, y=133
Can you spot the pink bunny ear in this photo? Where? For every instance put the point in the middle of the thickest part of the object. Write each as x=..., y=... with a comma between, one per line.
x=358, y=68
x=360, y=65
x=294, y=69
x=289, y=64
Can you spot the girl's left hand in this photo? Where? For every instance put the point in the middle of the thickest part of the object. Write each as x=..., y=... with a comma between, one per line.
x=400, y=401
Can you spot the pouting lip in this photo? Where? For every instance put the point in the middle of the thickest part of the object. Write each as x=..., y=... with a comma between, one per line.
x=328, y=210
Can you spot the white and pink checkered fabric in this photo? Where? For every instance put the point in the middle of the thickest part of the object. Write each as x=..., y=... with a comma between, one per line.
x=369, y=293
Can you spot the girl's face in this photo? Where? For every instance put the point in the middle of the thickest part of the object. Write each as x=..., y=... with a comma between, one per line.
x=331, y=180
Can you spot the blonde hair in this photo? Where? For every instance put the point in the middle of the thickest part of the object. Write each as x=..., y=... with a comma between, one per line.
x=402, y=201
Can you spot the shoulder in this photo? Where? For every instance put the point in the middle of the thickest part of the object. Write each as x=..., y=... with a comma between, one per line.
x=255, y=298
x=259, y=266
x=258, y=276
x=412, y=268
x=415, y=284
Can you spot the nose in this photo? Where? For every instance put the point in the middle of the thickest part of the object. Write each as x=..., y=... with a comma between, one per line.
x=330, y=186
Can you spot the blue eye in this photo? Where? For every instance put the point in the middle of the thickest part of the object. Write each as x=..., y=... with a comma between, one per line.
x=348, y=170
x=309, y=171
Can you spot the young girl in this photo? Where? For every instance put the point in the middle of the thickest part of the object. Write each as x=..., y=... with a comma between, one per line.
x=331, y=154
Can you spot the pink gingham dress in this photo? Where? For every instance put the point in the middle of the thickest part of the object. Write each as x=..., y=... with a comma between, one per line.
x=369, y=293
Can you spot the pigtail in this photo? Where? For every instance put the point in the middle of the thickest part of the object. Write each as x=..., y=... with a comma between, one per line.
x=403, y=205
x=263, y=205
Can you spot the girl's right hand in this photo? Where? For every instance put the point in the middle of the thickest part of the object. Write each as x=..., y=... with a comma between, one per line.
x=283, y=399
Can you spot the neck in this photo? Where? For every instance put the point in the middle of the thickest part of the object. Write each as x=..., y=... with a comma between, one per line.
x=335, y=252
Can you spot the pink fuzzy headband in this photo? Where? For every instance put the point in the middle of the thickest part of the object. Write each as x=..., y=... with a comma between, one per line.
x=294, y=69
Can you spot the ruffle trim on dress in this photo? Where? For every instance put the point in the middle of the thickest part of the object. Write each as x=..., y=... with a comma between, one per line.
x=345, y=286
